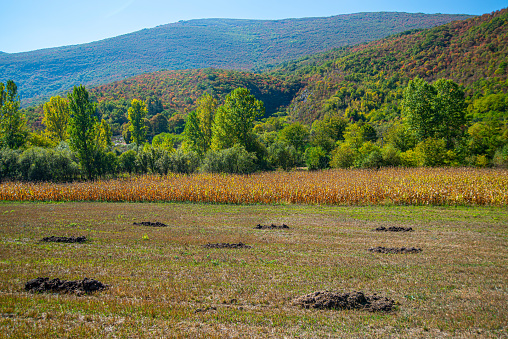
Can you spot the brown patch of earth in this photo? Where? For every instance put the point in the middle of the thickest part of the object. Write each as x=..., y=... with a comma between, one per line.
x=394, y=229
x=227, y=245
x=64, y=239
x=39, y=285
x=380, y=249
x=272, y=226
x=206, y=309
x=152, y=224
x=349, y=301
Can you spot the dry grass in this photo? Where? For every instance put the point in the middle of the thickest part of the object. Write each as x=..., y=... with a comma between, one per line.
x=422, y=186
x=456, y=286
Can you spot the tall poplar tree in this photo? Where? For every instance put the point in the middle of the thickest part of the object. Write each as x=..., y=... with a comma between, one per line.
x=82, y=129
x=198, y=128
x=13, y=131
x=136, y=114
x=56, y=118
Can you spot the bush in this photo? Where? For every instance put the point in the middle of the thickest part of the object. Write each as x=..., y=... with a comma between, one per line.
x=433, y=152
x=34, y=164
x=368, y=156
x=373, y=160
x=8, y=163
x=411, y=158
x=232, y=160
x=501, y=157
x=391, y=156
x=343, y=156
x=283, y=155
x=127, y=161
x=184, y=162
x=64, y=165
x=315, y=158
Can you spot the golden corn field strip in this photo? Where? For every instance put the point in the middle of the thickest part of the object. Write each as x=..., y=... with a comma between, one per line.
x=433, y=186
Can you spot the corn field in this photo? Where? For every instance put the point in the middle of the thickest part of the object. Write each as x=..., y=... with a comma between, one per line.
x=421, y=186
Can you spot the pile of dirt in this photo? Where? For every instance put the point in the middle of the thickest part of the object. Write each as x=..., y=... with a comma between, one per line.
x=349, y=301
x=86, y=285
x=152, y=224
x=226, y=245
x=64, y=239
x=272, y=226
x=394, y=229
x=380, y=249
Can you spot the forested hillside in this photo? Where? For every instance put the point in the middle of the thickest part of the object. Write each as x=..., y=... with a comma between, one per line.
x=219, y=43
x=179, y=90
x=367, y=81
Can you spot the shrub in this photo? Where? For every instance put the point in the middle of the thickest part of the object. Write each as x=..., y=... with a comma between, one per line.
x=315, y=158
x=501, y=157
x=391, y=156
x=283, y=155
x=343, y=156
x=433, y=152
x=368, y=156
x=184, y=162
x=34, y=164
x=8, y=163
x=127, y=161
x=232, y=160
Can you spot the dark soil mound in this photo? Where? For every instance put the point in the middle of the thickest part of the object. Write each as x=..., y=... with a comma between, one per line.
x=64, y=239
x=152, y=224
x=86, y=285
x=394, y=229
x=272, y=226
x=380, y=249
x=349, y=301
x=226, y=245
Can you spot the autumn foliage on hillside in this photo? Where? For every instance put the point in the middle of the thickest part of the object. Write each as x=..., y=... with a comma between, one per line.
x=368, y=79
x=179, y=90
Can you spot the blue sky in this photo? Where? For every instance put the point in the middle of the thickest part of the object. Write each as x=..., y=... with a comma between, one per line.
x=34, y=24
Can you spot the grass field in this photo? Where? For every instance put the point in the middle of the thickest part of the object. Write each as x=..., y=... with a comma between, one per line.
x=165, y=284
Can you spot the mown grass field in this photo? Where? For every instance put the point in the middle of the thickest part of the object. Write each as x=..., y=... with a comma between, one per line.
x=161, y=277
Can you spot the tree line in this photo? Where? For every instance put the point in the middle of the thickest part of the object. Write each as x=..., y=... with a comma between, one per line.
x=233, y=137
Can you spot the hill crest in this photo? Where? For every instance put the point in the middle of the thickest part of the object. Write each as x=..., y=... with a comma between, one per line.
x=201, y=43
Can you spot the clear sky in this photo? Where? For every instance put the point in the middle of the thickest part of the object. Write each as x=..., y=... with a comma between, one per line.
x=34, y=24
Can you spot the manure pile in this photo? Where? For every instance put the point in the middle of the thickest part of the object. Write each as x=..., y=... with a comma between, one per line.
x=151, y=224
x=39, y=285
x=345, y=301
x=395, y=250
x=64, y=239
x=227, y=245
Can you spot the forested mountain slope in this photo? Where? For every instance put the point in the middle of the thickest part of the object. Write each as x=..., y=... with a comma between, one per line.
x=179, y=90
x=367, y=81
x=219, y=43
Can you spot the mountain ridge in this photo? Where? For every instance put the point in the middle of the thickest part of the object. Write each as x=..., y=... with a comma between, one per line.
x=200, y=43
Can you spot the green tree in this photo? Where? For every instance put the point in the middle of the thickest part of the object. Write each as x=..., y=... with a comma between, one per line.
x=198, y=128
x=296, y=135
x=136, y=114
x=283, y=155
x=234, y=119
x=13, y=132
x=56, y=119
x=434, y=111
x=315, y=158
x=103, y=135
x=326, y=132
x=82, y=129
